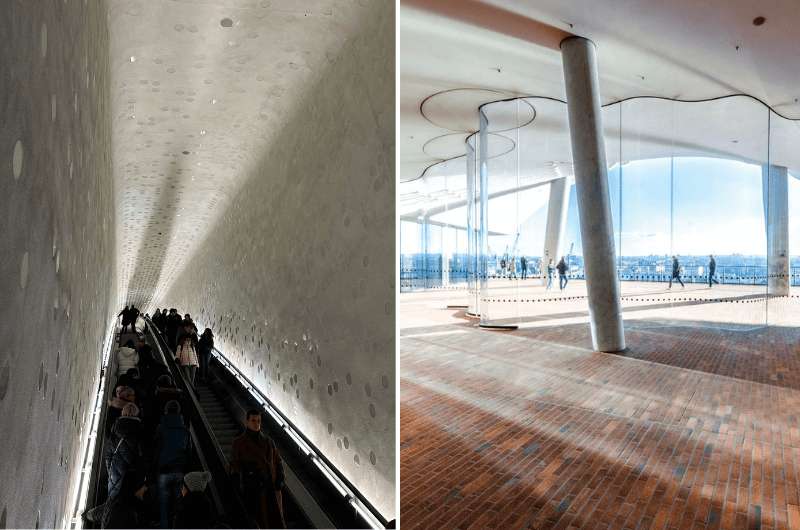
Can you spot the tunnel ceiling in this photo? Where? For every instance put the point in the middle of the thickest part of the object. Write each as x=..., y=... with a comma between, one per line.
x=680, y=49
x=200, y=89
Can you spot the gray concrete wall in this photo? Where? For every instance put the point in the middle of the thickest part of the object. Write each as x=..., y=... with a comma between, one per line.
x=56, y=247
x=297, y=277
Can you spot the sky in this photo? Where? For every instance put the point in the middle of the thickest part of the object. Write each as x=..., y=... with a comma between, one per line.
x=686, y=206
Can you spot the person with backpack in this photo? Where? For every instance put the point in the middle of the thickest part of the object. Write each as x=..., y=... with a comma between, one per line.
x=171, y=456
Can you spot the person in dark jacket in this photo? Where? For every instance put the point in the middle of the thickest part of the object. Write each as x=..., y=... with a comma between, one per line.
x=172, y=448
x=126, y=318
x=712, y=270
x=164, y=393
x=562, y=274
x=134, y=316
x=193, y=509
x=127, y=456
x=523, y=263
x=676, y=273
x=174, y=321
x=204, y=347
x=257, y=470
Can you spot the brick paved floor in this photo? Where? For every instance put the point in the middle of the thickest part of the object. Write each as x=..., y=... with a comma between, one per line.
x=695, y=426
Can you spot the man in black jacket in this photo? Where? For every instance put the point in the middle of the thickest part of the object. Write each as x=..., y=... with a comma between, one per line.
x=712, y=270
x=676, y=273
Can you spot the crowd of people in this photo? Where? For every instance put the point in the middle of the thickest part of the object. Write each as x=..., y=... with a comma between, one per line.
x=147, y=452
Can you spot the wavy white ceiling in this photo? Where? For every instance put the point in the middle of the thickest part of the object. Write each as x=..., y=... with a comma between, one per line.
x=678, y=49
x=199, y=91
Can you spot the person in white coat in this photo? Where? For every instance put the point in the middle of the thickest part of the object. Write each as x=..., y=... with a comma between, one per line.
x=186, y=356
x=127, y=358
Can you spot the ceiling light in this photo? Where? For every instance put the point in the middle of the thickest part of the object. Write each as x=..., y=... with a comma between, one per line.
x=203, y=132
x=213, y=101
x=133, y=59
x=226, y=22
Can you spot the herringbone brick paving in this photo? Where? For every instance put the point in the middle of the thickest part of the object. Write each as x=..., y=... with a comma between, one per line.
x=692, y=427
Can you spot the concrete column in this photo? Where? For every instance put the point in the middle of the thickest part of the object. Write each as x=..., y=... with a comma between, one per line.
x=775, y=183
x=556, y=220
x=591, y=186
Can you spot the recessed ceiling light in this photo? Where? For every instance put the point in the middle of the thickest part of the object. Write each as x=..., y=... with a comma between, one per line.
x=226, y=22
x=213, y=101
x=203, y=132
x=759, y=21
x=133, y=58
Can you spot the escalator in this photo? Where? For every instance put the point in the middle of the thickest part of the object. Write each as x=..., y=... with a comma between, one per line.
x=215, y=411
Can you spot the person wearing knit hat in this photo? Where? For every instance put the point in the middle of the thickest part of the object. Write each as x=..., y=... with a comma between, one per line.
x=196, y=481
x=130, y=410
x=194, y=508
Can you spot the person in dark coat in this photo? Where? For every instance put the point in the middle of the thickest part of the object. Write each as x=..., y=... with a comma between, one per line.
x=164, y=393
x=676, y=273
x=523, y=263
x=126, y=456
x=174, y=321
x=562, y=274
x=193, y=509
x=172, y=454
x=134, y=316
x=257, y=469
x=126, y=318
x=712, y=270
x=204, y=347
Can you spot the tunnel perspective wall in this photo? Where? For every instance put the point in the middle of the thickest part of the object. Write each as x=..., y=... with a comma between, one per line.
x=297, y=277
x=56, y=249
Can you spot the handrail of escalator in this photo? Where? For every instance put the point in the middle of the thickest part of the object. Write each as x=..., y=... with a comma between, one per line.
x=293, y=432
x=229, y=504
x=93, y=497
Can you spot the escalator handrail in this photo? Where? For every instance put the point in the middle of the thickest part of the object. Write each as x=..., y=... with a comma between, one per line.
x=316, y=452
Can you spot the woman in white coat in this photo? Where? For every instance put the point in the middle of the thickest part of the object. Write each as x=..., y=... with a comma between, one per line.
x=186, y=357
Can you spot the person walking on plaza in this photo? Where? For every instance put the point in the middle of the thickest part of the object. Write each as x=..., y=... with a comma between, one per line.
x=551, y=269
x=523, y=262
x=257, y=469
x=712, y=270
x=676, y=273
x=562, y=274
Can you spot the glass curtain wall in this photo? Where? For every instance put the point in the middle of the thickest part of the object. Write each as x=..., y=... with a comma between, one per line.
x=523, y=205
x=433, y=231
x=696, y=193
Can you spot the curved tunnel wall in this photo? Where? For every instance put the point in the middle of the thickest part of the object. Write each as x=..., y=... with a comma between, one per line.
x=56, y=248
x=297, y=278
